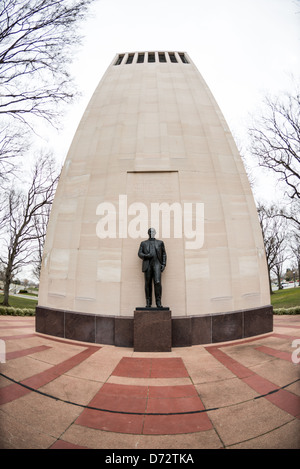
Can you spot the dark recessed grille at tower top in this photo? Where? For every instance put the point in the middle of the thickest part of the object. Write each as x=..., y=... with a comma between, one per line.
x=119, y=59
x=130, y=59
x=172, y=57
x=151, y=57
x=163, y=57
x=183, y=58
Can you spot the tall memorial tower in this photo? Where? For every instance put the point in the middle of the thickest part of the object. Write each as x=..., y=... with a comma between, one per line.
x=153, y=150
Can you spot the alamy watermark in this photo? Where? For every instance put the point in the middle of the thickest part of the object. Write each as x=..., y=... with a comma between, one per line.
x=296, y=353
x=2, y=351
x=177, y=220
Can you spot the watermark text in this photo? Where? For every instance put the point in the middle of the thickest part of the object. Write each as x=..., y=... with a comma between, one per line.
x=2, y=351
x=296, y=353
x=170, y=220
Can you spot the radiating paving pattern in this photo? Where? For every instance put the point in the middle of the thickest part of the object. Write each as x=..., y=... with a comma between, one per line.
x=285, y=400
x=58, y=394
x=148, y=409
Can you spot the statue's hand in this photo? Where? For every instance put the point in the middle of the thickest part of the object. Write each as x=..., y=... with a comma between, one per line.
x=162, y=268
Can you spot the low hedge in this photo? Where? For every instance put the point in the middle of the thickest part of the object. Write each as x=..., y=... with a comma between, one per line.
x=11, y=311
x=280, y=311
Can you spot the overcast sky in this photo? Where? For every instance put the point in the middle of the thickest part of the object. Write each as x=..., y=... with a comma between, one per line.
x=244, y=49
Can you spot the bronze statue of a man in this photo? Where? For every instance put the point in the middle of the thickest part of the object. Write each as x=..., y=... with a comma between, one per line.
x=154, y=256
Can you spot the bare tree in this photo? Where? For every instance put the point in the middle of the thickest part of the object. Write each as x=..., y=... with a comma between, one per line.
x=37, y=43
x=2, y=272
x=23, y=212
x=295, y=248
x=278, y=267
x=275, y=142
x=275, y=238
x=291, y=212
x=41, y=223
x=12, y=144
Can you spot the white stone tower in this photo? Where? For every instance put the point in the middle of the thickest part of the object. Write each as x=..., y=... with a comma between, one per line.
x=153, y=140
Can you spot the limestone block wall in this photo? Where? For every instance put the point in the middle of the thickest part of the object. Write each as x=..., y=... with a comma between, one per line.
x=153, y=132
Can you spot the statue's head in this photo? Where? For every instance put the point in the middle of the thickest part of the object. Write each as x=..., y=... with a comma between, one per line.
x=151, y=233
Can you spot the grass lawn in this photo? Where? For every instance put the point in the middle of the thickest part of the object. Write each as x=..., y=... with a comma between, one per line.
x=286, y=298
x=18, y=302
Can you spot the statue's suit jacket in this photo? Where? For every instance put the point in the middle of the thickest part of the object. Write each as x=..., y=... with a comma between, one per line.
x=145, y=249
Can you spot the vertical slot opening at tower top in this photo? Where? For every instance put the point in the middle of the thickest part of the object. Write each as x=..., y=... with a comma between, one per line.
x=140, y=58
x=162, y=57
x=119, y=59
x=183, y=58
x=130, y=59
x=172, y=57
x=151, y=57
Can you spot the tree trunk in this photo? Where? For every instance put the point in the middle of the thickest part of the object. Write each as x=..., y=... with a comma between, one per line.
x=7, y=281
x=278, y=280
x=6, y=288
x=270, y=284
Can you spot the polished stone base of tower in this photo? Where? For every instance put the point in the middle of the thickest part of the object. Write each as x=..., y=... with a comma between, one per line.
x=185, y=331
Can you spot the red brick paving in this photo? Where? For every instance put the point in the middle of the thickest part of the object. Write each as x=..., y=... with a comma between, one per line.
x=19, y=336
x=61, y=444
x=148, y=409
x=275, y=353
x=14, y=391
x=235, y=367
x=111, y=422
x=179, y=400
x=176, y=424
x=24, y=352
x=156, y=392
x=132, y=367
x=283, y=399
x=286, y=401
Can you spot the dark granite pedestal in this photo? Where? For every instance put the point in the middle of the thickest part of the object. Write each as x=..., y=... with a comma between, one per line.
x=152, y=330
x=186, y=330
